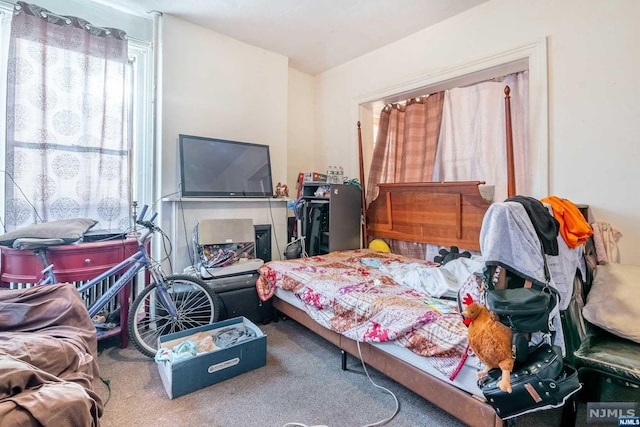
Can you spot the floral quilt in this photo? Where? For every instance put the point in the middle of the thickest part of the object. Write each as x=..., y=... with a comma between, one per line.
x=352, y=293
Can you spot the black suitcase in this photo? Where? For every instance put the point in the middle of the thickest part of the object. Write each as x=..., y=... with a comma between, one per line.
x=238, y=297
x=544, y=381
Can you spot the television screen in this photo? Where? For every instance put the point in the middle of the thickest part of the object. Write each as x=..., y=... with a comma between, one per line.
x=211, y=167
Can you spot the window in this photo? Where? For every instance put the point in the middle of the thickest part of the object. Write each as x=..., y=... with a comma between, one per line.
x=121, y=162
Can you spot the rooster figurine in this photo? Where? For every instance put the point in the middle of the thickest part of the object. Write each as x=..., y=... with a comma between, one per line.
x=490, y=340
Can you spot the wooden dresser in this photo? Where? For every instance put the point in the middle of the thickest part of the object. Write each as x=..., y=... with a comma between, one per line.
x=75, y=263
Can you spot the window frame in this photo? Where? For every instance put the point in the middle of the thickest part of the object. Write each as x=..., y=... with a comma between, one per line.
x=141, y=56
x=6, y=12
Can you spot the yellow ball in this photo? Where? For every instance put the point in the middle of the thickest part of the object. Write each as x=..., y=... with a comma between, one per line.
x=379, y=245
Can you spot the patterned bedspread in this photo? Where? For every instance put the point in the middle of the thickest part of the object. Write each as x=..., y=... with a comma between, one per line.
x=353, y=293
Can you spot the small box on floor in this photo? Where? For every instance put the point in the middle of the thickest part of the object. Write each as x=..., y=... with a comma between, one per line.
x=231, y=347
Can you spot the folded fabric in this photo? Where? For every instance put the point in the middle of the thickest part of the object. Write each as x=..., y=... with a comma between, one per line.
x=185, y=350
x=574, y=229
x=605, y=239
x=48, y=358
x=232, y=335
x=508, y=238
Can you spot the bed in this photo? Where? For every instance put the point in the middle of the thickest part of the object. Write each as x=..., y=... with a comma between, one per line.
x=417, y=340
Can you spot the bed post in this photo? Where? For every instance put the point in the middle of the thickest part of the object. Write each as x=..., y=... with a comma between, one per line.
x=363, y=197
x=511, y=178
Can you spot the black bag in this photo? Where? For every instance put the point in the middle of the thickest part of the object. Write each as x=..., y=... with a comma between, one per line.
x=522, y=309
x=542, y=382
x=524, y=305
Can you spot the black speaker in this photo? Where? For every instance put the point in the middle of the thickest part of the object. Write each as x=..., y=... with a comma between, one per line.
x=263, y=241
x=238, y=297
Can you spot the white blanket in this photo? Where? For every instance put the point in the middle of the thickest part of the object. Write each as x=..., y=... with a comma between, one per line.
x=443, y=281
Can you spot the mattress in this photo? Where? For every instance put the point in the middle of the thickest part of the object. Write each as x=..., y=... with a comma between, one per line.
x=466, y=378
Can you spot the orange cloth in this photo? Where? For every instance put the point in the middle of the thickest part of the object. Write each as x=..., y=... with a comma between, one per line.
x=575, y=230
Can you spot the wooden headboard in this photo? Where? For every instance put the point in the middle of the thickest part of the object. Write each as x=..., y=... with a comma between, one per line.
x=439, y=213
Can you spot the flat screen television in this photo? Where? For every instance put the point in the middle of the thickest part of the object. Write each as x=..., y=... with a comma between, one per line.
x=211, y=167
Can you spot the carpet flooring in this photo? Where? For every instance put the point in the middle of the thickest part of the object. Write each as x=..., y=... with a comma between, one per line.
x=301, y=383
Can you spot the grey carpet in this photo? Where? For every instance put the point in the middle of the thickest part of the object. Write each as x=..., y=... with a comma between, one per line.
x=302, y=382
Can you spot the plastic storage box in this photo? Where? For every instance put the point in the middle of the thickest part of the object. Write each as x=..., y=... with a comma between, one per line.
x=205, y=369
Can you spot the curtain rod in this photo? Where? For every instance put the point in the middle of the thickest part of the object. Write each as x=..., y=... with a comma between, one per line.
x=6, y=5
x=10, y=6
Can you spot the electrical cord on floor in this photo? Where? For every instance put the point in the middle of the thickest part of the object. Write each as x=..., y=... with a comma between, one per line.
x=386, y=390
x=364, y=366
x=107, y=382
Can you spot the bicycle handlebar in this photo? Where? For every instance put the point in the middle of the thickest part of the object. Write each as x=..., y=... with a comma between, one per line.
x=147, y=223
x=143, y=212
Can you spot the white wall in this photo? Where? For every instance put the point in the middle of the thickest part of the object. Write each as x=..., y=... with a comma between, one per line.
x=594, y=96
x=215, y=86
x=300, y=125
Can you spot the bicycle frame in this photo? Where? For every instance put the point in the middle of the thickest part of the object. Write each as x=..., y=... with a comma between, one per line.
x=137, y=262
x=48, y=277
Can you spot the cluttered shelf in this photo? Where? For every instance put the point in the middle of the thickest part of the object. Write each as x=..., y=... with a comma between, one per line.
x=225, y=199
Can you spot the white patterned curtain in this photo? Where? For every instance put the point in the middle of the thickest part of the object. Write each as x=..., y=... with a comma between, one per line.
x=472, y=144
x=67, y=122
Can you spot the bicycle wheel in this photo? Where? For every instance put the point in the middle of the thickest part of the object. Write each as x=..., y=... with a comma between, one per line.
x=195, y=302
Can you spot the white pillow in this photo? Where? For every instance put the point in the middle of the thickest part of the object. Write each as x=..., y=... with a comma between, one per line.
x=613, y=302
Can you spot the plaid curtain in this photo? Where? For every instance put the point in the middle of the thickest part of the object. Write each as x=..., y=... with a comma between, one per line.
x=406, y=143
x=405, y=151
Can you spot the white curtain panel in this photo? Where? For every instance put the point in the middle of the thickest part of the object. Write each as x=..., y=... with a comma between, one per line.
x=472, y=144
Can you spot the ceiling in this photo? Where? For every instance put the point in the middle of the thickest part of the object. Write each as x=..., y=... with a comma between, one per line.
x=315, y=35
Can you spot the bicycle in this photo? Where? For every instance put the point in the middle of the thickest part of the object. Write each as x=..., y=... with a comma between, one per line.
x=169, y=304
